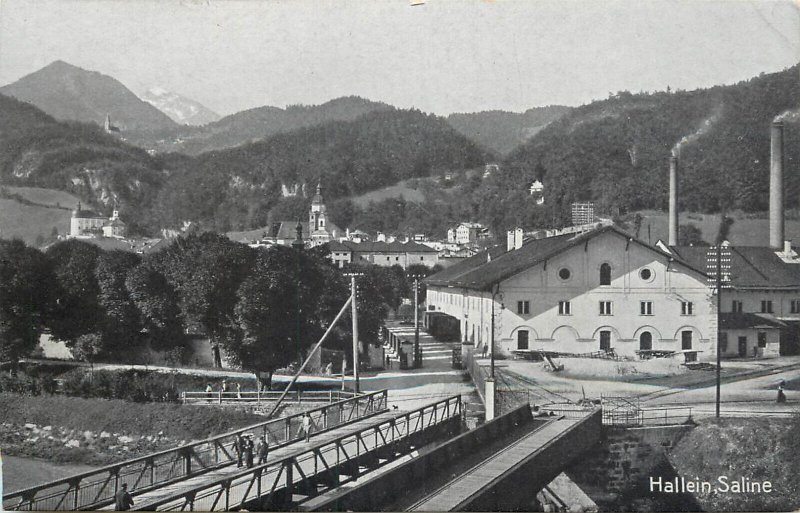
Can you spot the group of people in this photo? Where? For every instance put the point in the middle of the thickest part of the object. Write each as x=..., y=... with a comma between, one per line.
x=224, y=389
x=246, y=450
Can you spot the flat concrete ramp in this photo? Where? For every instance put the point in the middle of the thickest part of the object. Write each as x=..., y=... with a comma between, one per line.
x=510, y=479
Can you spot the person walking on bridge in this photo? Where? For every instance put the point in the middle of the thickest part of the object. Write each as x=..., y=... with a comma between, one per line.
x=248, y=451
x=263, y=449
x=123, y=500
x=305, y=426
x=238, y=448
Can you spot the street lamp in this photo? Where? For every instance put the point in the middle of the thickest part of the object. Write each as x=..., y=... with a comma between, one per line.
x=417, y=355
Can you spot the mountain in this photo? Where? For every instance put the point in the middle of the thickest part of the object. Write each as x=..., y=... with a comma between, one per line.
x=502, y=131
x=255, y=124
x=615, y=151
x=180, y=109
x=80, y=158
x=69, y=93
x=237, y=188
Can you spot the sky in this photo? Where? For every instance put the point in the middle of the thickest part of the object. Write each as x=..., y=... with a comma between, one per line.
x=442, y=56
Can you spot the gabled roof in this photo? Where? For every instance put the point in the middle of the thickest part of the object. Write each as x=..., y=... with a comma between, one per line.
x=752, y=267
x=382, y=247
x=481, y=272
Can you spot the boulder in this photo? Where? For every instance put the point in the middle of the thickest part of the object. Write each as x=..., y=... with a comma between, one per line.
x=73, y=444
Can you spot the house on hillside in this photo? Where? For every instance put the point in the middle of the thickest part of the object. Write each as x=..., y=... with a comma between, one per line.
x=600, y=290
x=466, y=233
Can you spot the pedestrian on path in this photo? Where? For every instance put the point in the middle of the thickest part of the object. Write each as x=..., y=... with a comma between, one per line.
x=263, y=449
x=388, y=362
x=485, y=349
x=781, y=395
x=305, y=426
x=238, y=448
x=248, y=451
x=123, y=500
x=238, y=390
x=210, y=392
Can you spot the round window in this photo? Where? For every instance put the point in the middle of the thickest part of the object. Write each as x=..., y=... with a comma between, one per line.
x=646, y=274
x=564, y=273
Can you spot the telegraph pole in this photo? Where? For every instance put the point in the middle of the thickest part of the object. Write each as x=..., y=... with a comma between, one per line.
x=719, y=318
x=354, y=304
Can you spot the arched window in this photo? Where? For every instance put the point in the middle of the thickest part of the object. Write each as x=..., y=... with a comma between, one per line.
x=646, y=341
x=605, y=274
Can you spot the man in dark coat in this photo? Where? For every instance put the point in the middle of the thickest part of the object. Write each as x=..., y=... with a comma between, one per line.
x=263, y=449
x=238, y=448
x=248, y=452
x=123, y=500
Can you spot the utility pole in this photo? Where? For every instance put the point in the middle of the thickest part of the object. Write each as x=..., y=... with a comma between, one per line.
x=354, y=304
x=417, y=356
x=489, y=390
x=719, y=317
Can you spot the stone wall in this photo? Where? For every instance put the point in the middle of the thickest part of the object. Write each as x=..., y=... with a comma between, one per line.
x=626, y=457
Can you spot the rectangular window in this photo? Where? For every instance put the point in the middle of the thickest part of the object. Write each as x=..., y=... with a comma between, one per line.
x=606, y=308
x=687, y=308
x=762, y=339
x=523, y=307
x=563, y=308
x=723, y=343
x=766, y=306
x=646, y=307
x=522, y=339
x=795, y=306
x=736, y=306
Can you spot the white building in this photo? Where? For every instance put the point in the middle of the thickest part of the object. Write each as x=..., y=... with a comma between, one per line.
x=579, y=293
x=465, y=233
x=85, y=224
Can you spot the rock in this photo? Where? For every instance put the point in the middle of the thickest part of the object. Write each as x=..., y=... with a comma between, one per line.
x=160, y=433
x=105, y=434
x=88, y=435
x=124, y=439
x=112, y=447
x=30, y=426
x=47, y=428
x=72, y=443
x=125, y=448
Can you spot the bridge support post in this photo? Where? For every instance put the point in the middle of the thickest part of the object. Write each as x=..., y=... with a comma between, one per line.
x=489, y=398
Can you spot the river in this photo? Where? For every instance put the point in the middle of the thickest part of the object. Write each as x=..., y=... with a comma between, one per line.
x=19, y=472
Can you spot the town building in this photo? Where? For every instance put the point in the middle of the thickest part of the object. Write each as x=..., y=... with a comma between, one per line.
x=582, y=213
x=466, y=233
x=86, y=223
x=600, y=290
x=385, y=254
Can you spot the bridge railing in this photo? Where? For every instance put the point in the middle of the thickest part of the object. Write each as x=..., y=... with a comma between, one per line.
x=665, y=416
x=251, y=398
x=97, y=488
x=323, y=462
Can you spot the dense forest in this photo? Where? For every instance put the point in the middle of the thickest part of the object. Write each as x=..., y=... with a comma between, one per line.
x=613, y=152
x=503, y=131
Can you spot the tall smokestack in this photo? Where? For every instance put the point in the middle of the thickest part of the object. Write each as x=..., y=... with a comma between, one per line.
x=776, y=186
x=673, y=200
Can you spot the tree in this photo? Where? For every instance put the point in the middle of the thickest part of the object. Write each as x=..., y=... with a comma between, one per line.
x=157, y=304
x=26, y=299
x=206, y=271
x=77, y=311
x=277, y=311
x=119, y=327
x=690, y=235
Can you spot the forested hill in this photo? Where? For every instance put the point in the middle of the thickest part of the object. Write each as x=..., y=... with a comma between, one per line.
x=261, y=122
x=80, y=158
x=236, y=188
x=502, y=131
x=615, y=152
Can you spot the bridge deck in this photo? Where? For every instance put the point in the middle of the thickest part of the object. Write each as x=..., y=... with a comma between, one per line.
x=480, y=477
x=297, y=448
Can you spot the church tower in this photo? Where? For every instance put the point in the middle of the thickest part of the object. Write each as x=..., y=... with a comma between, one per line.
x=317, y=220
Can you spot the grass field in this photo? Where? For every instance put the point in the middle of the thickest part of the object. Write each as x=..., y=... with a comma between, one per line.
x=49, y=197
x=743, y=232
x=19, y=473
x=393, y=191
x=27, y=222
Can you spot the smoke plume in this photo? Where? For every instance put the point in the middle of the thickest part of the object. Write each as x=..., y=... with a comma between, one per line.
x=705, y=126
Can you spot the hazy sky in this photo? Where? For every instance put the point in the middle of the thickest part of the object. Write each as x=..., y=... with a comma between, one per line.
x=444, y=56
